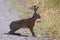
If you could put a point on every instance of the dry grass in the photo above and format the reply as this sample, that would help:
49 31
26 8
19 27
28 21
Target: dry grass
50 13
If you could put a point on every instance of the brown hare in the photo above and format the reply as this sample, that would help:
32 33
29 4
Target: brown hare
25 23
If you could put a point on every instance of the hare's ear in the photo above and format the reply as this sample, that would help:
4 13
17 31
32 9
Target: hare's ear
35 8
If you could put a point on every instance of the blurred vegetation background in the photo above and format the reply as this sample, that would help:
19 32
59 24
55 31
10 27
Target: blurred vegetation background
50 15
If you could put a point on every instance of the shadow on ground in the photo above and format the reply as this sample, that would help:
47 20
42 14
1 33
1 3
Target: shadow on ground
17 34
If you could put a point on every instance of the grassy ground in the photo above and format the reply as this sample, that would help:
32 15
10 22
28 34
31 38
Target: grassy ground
50 13
50 18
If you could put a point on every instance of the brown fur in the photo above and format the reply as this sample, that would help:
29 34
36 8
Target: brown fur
25 23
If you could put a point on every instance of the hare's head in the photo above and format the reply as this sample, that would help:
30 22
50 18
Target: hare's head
36 16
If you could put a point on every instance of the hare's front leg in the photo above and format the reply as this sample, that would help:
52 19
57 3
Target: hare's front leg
31 29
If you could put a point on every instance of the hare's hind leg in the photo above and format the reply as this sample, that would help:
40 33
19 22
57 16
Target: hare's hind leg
12 31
